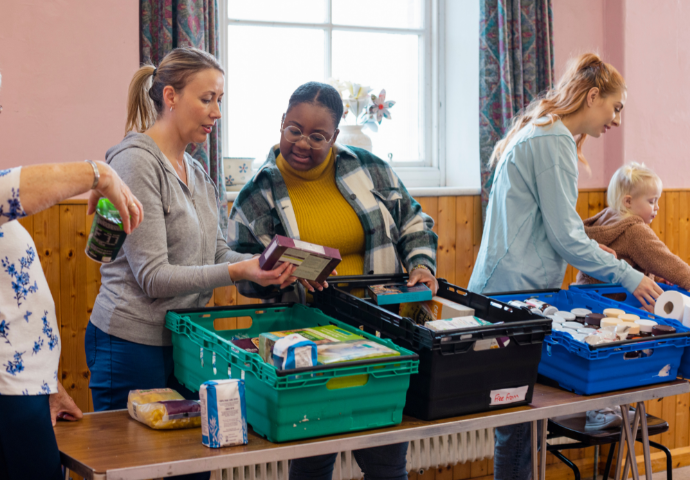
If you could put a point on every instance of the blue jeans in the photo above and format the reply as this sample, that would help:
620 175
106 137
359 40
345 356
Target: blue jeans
118 366
27 442
513 452
387 462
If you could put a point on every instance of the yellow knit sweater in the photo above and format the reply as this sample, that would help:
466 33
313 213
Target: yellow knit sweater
323 215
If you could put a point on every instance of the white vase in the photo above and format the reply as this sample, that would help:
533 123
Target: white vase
354 136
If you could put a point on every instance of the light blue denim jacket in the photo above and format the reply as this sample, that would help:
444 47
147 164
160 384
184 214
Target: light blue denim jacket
532 230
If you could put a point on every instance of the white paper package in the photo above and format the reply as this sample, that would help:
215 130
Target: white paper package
223 413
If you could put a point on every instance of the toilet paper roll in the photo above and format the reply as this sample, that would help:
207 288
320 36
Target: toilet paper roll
672 304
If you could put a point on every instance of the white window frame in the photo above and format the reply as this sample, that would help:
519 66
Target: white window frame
430 171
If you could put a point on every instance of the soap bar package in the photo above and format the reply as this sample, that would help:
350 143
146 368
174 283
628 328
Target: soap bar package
393 293
314 262
456 324
223 413
294 351
163 409
318 335
438 308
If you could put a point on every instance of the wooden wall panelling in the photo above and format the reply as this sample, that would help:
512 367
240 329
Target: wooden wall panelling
672 224
46 234
464 240
659 223
446 252
73 303
93 285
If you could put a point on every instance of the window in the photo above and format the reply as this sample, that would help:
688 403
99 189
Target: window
273 46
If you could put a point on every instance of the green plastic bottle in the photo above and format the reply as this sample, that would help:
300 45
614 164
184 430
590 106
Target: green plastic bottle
107 233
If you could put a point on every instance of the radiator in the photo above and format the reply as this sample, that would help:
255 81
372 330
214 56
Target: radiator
421 455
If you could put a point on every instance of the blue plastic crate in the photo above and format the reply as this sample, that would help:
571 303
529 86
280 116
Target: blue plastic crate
615 292
587 370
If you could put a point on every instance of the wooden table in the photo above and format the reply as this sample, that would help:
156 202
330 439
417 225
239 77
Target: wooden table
110 445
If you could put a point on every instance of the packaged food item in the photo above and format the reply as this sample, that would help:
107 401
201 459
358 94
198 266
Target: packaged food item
610 322
662 330
223 413
594 319
338 352
613 312
318 335
567 316
438 308
572 325
314 262
580 314
419 312
456 324
393 293
294 351
163 409
543 307
628 317
107 233
519 304
251 345
646 327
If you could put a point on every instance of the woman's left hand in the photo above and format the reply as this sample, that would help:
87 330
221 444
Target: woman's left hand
63 406
311 285
423 275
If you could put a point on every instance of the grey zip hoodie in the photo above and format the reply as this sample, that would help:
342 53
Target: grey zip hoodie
177 255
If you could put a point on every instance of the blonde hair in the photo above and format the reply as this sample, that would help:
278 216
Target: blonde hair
631 179
145 99
583 73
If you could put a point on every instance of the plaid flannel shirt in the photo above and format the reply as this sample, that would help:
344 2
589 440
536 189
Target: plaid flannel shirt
397 233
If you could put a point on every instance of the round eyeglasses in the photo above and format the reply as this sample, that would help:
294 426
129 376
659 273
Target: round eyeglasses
316 141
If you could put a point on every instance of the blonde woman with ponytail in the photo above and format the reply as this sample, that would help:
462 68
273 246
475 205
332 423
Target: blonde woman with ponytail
633 198
532 230
178 254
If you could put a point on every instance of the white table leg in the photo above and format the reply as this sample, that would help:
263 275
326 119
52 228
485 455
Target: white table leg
535 443
630 439
628 460
645 441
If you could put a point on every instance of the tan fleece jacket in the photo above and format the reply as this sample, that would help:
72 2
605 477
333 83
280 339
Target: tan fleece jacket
635 242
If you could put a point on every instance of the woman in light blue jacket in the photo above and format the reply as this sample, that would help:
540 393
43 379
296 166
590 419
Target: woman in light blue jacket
532 230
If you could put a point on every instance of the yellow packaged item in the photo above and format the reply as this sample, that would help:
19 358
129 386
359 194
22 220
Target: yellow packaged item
163 409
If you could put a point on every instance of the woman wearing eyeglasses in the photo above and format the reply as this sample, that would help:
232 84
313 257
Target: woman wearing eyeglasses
315 190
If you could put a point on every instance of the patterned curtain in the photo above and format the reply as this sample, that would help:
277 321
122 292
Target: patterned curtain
168 24
515 66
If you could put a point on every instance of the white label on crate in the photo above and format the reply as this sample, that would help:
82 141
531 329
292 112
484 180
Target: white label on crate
309 247
508 395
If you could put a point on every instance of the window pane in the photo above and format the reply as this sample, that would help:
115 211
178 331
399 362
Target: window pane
301 11
388 61
265 65
379 13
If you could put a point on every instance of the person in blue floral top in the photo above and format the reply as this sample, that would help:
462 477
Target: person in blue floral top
31 397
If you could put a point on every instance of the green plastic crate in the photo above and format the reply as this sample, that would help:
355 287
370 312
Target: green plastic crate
294 404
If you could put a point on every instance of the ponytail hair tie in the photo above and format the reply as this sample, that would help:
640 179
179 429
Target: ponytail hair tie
155 71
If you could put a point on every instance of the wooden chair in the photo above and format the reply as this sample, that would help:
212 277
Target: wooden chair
573 427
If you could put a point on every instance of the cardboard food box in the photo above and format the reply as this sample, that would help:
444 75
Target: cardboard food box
392 293
437 308
314 262
319 335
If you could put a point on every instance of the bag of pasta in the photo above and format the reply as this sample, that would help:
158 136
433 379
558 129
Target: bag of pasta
163 409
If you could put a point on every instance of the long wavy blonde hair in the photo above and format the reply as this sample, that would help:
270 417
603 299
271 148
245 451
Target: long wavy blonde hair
583 73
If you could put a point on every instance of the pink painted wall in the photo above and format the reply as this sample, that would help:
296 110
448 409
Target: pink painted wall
657 57
66 66
649 43
579 28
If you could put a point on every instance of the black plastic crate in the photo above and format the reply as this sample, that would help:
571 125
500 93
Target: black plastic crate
454 378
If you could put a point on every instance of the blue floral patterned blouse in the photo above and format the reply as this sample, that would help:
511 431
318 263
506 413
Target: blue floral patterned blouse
29 335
